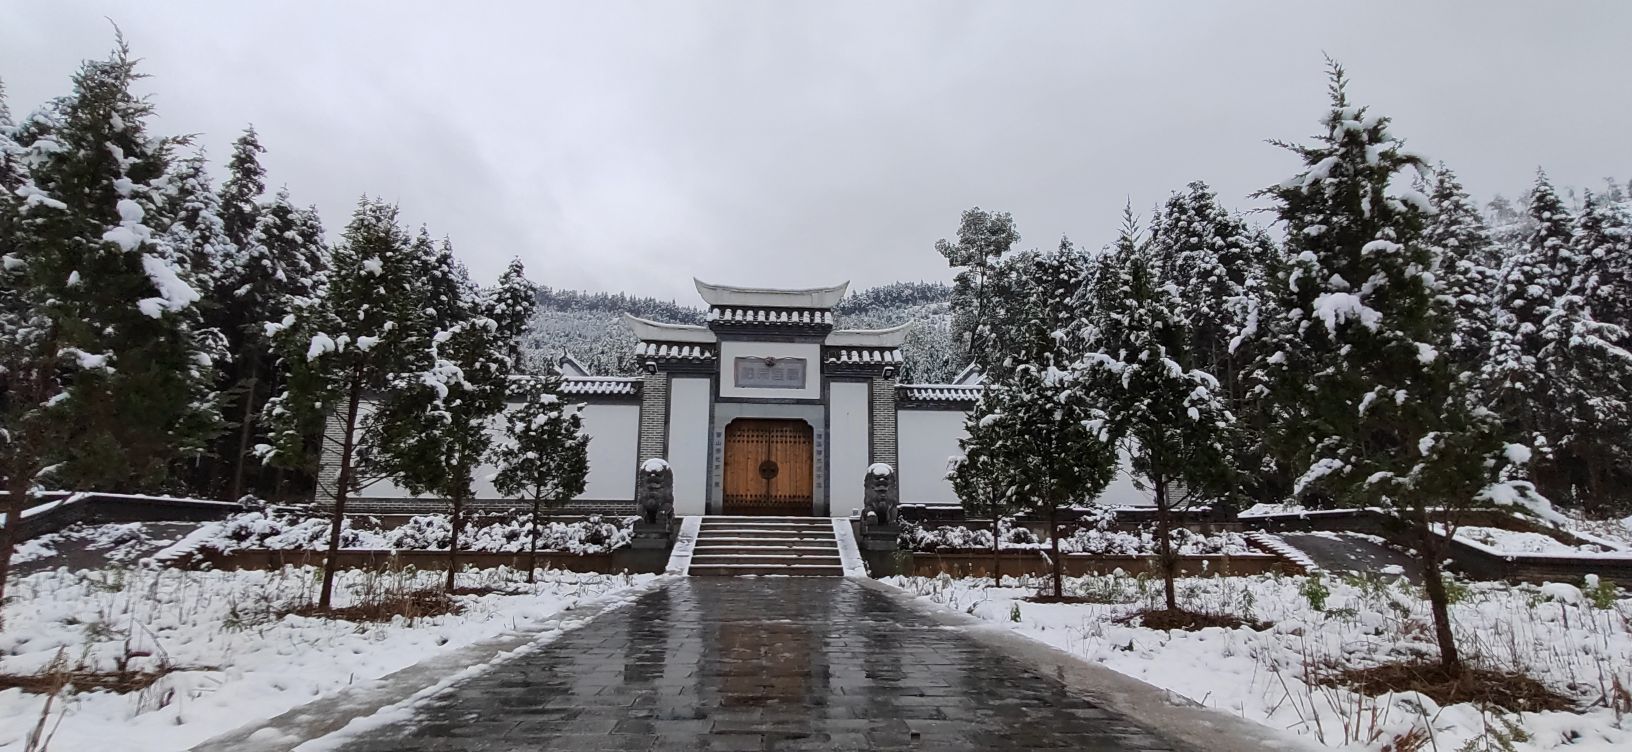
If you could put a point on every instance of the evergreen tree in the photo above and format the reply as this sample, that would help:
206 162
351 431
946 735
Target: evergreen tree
348 340
980 477
1222 268
983 239
544 456
1532 283
1585 369
191 214
1052 438
1359 365
137 393
431 430
279 263
1169 417
1469 269
240 195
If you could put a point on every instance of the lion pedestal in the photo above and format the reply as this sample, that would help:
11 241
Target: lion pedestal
881 509
654 501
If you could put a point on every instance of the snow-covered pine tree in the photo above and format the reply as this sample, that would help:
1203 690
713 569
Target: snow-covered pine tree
1056 449
1169 417
1222 268
279 263
1360 370
1470 268
1532 283
980 477
191 214
1508 227
135 389
241 193
983 239
431 430
544 455
341 344
1586 369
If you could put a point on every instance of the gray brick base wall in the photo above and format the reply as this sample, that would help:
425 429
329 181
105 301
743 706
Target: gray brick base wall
654 418
380 505
882 417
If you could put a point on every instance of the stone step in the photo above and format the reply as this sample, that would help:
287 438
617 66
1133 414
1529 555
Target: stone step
779 542
704 560
823 532
763 526
749 548
794 570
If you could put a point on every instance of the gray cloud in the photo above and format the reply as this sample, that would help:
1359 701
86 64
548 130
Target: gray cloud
629 146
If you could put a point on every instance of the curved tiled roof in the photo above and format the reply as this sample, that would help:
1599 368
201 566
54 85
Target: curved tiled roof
678 351
599 385
761 297
791 316
888 355
939 392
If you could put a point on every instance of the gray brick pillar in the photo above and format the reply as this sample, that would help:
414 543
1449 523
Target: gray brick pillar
882 416
654 418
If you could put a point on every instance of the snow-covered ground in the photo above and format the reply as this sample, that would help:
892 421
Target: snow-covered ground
1554 633
1086 540
1514 542
430 532
238 660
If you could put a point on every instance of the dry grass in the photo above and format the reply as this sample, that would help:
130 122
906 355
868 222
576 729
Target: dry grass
408 604
1510 691
1189 621
52 682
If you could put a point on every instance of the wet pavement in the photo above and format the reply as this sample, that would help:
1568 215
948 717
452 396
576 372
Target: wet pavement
761 664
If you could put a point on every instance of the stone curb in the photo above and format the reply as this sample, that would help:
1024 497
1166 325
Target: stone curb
1165 714
326 715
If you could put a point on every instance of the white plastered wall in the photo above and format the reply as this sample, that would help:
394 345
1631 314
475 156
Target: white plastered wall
613 430
848 442
811 353
926 440
688 443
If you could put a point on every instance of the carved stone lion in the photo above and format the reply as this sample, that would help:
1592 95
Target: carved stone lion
880 497
655 496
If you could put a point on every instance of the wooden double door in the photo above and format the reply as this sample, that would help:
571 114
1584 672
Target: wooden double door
769 467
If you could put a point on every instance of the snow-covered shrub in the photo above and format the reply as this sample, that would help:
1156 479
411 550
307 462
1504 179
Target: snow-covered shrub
1098 540
426 532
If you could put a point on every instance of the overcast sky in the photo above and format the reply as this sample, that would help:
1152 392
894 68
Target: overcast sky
630 147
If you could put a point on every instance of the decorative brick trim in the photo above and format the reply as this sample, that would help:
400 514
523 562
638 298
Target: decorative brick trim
881 417
654 418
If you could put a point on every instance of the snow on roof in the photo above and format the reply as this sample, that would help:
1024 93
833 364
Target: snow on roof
891 337
570 366
863 355
761 297
969 376
656 331
581 385
940 392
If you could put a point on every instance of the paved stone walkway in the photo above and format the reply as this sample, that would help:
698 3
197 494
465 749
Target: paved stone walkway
762 664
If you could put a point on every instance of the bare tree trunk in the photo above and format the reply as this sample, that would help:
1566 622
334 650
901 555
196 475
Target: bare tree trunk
532 545
1433 580
347 446
18 489
1054 547
997 553
453 543
1164 528
246 429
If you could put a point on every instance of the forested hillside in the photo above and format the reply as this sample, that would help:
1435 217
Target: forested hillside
585 325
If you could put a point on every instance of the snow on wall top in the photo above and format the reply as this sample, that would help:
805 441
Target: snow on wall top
892 337
789 316
675 352
760 297
656 331
863 355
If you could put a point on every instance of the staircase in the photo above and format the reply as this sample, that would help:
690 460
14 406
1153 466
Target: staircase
799 546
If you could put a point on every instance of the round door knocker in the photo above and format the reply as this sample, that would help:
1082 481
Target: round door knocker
768 469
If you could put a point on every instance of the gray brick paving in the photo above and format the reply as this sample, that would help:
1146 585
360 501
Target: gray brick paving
761 664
